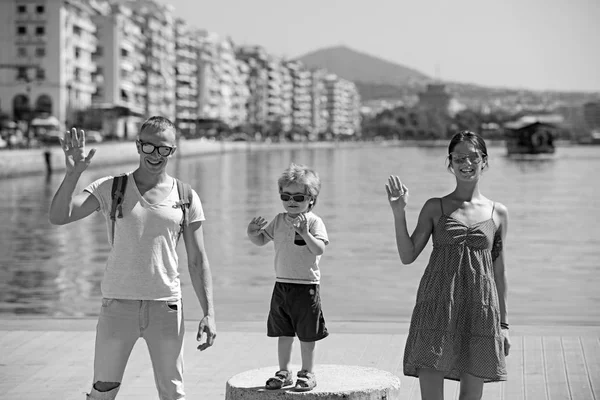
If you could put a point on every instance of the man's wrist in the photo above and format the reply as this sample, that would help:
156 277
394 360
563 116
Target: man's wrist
73 175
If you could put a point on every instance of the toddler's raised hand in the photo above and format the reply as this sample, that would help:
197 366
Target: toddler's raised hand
300 224
256 225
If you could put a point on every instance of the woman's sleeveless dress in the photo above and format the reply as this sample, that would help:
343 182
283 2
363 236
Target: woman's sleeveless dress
455 325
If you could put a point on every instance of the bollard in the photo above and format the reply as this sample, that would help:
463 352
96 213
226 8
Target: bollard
347 382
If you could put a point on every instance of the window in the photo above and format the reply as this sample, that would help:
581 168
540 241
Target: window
22 52
21 9
40 52
40 30
21 30
22 73
77 52
40 74
40 9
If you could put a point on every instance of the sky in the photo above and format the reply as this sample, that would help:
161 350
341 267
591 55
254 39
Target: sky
530 44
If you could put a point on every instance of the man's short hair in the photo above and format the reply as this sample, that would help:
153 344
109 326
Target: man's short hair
158 124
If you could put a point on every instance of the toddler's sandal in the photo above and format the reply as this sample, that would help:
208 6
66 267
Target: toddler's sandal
306 381
281 379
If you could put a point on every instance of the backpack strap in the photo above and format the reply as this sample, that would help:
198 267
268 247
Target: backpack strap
185 201
117 195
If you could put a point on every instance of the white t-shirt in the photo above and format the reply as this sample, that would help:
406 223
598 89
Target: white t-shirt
143 262
295 263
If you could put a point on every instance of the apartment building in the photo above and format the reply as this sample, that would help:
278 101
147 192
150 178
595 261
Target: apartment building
301 96
157 23
46 58
318 104
287 96
255 57
186 73
343 106
274 90
118 103
223 93
241 94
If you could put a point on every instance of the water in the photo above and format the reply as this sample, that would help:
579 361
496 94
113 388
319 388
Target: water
552 249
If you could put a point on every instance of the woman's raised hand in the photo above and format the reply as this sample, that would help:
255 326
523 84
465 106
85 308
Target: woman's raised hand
397 193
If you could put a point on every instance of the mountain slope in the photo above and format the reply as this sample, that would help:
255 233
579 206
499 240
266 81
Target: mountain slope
361 67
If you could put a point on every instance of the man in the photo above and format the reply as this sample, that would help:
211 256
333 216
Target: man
141 288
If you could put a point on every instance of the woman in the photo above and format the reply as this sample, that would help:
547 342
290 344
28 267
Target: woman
459 327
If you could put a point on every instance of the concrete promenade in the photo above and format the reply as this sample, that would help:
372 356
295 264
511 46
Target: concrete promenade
52 359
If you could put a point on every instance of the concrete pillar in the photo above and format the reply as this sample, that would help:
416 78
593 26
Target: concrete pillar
347 382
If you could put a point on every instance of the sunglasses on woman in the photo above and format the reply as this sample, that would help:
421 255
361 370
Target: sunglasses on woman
149 148
460 158
298 198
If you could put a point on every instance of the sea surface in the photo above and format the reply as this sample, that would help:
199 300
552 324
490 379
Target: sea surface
552 248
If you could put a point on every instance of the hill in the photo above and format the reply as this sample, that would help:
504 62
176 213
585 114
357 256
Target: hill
378 79
361 67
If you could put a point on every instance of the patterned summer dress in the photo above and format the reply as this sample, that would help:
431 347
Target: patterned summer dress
455 325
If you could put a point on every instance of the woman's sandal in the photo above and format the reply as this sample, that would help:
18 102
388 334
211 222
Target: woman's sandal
281 379
306 381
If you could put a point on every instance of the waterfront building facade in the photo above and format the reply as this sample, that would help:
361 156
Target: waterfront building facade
46 58
109 64
343 106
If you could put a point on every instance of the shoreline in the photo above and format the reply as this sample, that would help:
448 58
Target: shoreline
27 162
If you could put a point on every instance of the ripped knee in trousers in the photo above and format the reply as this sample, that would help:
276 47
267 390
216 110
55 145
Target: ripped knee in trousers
104 391
106 386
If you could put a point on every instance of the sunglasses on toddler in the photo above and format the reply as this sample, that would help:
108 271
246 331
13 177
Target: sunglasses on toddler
298 198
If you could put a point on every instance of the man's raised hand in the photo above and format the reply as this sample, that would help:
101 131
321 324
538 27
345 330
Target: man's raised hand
73 145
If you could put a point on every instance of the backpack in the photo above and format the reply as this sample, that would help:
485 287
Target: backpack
118 195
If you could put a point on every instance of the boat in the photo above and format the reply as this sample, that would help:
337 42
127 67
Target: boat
530 139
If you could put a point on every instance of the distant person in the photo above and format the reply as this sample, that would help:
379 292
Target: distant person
299 237
141 287
459 327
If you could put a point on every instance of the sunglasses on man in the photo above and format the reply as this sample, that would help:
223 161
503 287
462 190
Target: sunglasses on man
149 148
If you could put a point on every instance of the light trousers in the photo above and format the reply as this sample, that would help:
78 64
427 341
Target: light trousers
160 323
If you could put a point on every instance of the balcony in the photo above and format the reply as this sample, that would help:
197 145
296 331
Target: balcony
87 43
187 115
185 78
83 22
127 45
86 87
127 85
